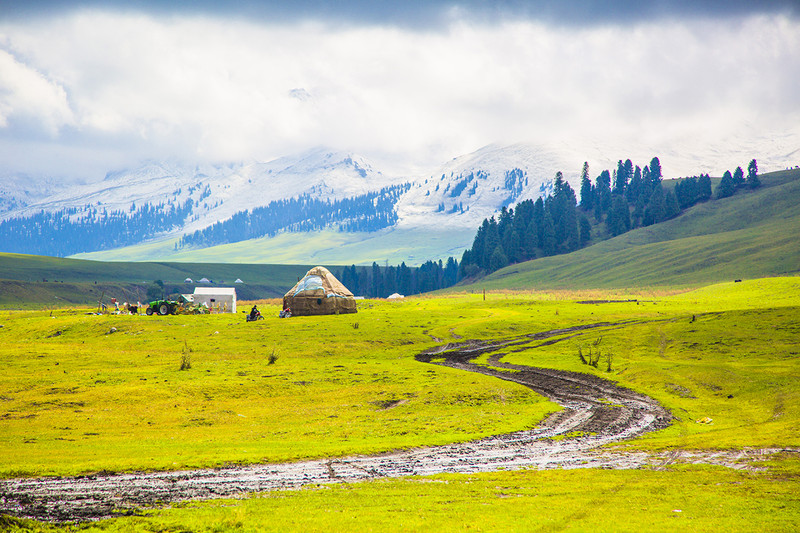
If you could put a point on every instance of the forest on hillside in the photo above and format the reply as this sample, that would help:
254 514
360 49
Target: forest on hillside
93 227
369 212
615 203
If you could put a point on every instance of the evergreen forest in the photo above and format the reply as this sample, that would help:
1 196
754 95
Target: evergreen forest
627 198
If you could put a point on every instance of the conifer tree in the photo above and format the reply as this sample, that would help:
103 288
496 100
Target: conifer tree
547 234
586 189
498 259
654 212
492 242
671 207
632 193
726 186
752 175
622 176
655 171
704 188
530 242
738 178
585 230
618 221
377 281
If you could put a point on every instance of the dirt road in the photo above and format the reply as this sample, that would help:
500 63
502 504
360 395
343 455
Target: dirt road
596 412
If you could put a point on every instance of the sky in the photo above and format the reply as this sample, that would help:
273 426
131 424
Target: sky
90 87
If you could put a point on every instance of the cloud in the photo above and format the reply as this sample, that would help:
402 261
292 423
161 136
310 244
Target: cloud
29 98
125 86
412 14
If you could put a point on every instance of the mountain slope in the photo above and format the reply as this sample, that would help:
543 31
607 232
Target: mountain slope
749 235
319 206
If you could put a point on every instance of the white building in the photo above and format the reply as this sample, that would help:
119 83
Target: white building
221 299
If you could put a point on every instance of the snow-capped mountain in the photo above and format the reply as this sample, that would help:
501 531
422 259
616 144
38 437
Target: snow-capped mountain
19 191
472 187
194 206
217 191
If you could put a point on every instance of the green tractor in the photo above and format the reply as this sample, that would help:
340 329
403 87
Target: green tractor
162 307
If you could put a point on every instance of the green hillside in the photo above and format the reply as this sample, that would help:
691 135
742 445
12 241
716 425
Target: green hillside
395 245
27 280
752 234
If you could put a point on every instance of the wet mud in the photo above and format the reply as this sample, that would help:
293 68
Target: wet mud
596 412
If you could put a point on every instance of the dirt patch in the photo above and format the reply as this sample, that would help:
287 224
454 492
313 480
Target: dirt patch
596 412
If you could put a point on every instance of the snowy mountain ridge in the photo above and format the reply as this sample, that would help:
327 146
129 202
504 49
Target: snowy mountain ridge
331 187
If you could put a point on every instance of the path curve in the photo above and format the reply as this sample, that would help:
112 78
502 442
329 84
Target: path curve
596 412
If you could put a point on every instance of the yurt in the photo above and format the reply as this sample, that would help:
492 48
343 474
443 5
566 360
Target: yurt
319 293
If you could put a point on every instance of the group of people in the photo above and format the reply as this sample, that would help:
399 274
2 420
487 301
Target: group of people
125 308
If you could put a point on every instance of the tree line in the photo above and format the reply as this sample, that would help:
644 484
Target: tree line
630 197
89 228
377 282
368 212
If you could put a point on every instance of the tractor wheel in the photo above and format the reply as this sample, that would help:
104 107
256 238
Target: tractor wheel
149 311
163 309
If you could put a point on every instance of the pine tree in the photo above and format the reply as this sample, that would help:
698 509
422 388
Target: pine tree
530 242
585 230
492 241
632 193
586 189
704 188
498 260
622 176
654 212
547 234
655 171
726 186
671 207
451 272
752 175
619 220
738 178
377 281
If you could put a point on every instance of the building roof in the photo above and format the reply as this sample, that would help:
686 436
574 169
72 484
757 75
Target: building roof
215 290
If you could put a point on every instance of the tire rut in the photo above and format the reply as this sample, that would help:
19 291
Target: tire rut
595 412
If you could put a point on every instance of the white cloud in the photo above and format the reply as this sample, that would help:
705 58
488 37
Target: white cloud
220 89
28 96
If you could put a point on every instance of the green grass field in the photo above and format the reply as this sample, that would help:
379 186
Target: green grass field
76 398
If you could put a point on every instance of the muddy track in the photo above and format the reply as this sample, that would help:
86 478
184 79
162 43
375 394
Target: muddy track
596 412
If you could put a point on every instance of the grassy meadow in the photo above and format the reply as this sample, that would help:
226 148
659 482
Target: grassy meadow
84 393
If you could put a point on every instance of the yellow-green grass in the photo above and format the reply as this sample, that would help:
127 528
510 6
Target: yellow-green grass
679 498
75 398
89 400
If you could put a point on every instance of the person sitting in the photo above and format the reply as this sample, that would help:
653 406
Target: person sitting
254 313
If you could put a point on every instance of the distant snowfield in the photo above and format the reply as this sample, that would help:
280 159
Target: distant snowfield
436 217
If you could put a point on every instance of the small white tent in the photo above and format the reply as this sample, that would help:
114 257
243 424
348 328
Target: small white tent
222 299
